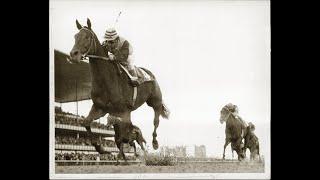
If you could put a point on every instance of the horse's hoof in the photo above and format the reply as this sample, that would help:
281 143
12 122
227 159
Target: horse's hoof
155 144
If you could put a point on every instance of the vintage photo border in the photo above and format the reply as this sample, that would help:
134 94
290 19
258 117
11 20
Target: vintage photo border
53 175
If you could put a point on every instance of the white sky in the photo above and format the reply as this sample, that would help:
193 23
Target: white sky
204 55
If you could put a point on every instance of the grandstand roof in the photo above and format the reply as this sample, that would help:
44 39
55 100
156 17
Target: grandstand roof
72 81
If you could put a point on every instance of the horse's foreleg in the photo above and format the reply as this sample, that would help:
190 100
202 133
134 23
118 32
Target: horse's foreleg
232 152
154 134
224 148
119 154
251 154
122 154
94 114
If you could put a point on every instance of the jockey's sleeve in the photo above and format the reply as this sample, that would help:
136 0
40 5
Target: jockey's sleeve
122 53
106 49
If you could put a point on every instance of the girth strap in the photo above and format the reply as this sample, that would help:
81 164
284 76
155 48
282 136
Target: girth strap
135 90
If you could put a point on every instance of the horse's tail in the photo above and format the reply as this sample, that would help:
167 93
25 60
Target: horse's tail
165 112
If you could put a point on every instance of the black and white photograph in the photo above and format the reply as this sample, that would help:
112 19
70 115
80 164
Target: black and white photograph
160 89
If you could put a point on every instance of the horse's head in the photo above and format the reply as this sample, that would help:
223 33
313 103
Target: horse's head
225 113
85 41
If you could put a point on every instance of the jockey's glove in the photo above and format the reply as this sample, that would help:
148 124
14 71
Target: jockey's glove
112 57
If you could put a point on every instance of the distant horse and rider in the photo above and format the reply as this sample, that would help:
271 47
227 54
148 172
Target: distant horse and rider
116 89
238 130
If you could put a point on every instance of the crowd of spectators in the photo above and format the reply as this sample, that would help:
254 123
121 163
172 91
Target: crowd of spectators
83 156
62 118
81 141
58 110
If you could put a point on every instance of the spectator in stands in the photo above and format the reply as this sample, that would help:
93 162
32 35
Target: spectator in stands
77 122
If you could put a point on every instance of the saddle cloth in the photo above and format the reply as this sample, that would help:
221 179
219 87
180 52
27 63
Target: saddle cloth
143 76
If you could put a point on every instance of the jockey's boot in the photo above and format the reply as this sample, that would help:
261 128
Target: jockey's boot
134 79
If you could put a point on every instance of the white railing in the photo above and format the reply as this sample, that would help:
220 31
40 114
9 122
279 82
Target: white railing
90 148
80 128
92 162
68 115
82 148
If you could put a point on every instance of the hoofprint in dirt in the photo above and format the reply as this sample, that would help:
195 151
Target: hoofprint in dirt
212 167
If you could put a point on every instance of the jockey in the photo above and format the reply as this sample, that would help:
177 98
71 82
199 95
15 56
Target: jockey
119 49
235 112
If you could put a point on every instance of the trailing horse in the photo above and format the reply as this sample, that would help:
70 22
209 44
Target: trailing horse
251 142
111 89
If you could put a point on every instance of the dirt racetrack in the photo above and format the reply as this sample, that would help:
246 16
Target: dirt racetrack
199 167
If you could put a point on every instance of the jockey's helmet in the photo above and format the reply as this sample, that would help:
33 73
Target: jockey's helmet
233 108
111 34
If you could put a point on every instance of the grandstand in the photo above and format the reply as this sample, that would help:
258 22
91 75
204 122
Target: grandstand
71 141
73 145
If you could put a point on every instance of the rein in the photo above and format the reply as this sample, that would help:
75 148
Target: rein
93 41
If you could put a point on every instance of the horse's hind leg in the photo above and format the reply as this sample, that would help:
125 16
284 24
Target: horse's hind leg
143 149
134 147
157 112
155 101
154 134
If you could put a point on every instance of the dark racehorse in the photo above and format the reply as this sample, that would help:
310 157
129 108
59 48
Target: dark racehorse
234 132
111 89
251 142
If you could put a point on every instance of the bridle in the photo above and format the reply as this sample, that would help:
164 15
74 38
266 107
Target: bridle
92 41
228 114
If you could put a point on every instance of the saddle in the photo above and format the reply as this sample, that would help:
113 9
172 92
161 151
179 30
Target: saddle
142 75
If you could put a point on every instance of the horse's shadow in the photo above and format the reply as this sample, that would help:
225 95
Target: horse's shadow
125 133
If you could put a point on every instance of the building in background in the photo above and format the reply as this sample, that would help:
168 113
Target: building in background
200 151
190 150
184 151
176 151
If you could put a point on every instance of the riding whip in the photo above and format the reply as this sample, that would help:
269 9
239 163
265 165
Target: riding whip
117 19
